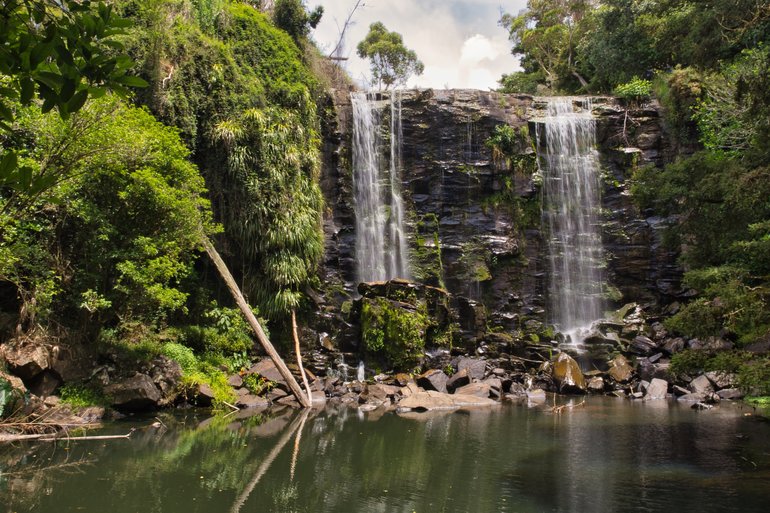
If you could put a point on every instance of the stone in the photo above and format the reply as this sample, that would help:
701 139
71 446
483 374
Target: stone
135 393
730 394
568 375
251 401
433 379
691 398
658 389
267 369
457 380
476 368
517 390
204 396
402 379
495 387
722 379
235 381
477 389
700 385
642 345
277 393
431 400
678 390
596 385
167 376
27 361
674 345
536 395
52 401
318 399
620 370
45 383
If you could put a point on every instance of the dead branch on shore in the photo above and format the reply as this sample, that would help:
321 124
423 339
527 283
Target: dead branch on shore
56 437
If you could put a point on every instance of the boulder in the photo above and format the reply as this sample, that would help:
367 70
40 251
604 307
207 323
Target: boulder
457 380
475 389
692 398
167 376
45 383
235 381
432 400
620 370
658 389
700 385
433 379
27 361
642 345
267 369
568 375
722 379
674 345
596 385
476 368
495 387
251 401
730 393
135 393
204 396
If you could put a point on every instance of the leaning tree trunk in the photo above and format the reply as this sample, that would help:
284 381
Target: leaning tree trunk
251 318
299 356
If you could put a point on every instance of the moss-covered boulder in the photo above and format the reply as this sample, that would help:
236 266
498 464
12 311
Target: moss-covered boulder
399 319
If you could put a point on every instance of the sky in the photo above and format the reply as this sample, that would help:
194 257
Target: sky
459 41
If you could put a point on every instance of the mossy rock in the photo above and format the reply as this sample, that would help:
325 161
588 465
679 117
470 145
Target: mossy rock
394 331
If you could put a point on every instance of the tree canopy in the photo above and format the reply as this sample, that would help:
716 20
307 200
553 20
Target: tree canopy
391 62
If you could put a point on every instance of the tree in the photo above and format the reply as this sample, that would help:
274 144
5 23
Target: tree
291 16
392 63
546 35
62 52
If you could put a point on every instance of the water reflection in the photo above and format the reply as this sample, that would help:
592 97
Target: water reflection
606 455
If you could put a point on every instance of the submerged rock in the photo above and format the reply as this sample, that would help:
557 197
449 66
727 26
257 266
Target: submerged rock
432 400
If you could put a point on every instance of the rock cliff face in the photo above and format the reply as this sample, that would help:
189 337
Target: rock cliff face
474 208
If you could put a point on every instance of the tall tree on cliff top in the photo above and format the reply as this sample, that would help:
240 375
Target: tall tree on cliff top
546 35
392 63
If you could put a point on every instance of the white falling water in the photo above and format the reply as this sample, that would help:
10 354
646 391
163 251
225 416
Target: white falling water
381 245
571 204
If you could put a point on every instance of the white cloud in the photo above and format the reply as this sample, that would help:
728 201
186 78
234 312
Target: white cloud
459 41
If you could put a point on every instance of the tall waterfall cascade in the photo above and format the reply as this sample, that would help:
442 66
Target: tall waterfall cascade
571 200
381 242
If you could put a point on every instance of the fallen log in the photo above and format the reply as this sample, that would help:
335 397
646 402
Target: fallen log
252 320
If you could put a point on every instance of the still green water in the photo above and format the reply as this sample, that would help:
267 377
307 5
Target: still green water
606 455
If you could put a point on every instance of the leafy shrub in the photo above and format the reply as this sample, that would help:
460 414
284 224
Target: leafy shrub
183 355
5 395
636 90
81 395
257 384
396 333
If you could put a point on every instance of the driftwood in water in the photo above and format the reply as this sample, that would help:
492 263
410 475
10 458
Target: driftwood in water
48 437
251 318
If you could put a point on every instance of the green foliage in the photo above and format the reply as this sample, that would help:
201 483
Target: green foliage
183 355
391 62
291 16
238 362
679 91
752 371
393 332
58 54
275 216
521 82
635 90
257 384
81 395
6 390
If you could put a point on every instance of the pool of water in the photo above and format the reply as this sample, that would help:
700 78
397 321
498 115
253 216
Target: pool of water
604 455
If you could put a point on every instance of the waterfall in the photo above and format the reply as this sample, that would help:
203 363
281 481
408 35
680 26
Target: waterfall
571 196
381 245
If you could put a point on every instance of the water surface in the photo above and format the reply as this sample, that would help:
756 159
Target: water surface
606 455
